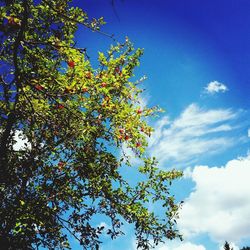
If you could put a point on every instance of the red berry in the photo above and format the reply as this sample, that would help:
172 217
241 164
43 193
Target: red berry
104 84
84 89
138 144
39 87
121 130
71 64
142 129
139 111
11 21
60 106
126 137
61 164
117 70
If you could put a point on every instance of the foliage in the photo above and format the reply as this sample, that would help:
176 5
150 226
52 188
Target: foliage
74 120
245 248
227 246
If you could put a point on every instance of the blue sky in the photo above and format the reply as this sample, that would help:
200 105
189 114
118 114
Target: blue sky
197 60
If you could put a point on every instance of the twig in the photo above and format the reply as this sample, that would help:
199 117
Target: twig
82 23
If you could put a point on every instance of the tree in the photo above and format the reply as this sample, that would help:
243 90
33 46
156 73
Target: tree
245 248
73 120
227 246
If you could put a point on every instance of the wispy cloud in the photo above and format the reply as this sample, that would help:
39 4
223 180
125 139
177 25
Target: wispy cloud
220 202
195 132
177 245
182 246
215 87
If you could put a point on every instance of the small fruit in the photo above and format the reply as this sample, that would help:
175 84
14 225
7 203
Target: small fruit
142 129
117 70
88 75
39 87
104 84
61 164
60 106
138 144
12 21
126 137
139 111
71 64
120 137
121 131
84 89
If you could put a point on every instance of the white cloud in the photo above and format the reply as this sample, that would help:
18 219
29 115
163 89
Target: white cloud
21 141
127 153
220 202
189 246
215 87
195 132
177 245
182 246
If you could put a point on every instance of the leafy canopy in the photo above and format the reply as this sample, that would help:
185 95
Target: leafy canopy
227 246
74 120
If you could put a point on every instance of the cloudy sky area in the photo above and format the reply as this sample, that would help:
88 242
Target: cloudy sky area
197 58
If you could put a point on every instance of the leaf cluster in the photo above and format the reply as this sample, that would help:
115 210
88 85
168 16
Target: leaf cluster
74 119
